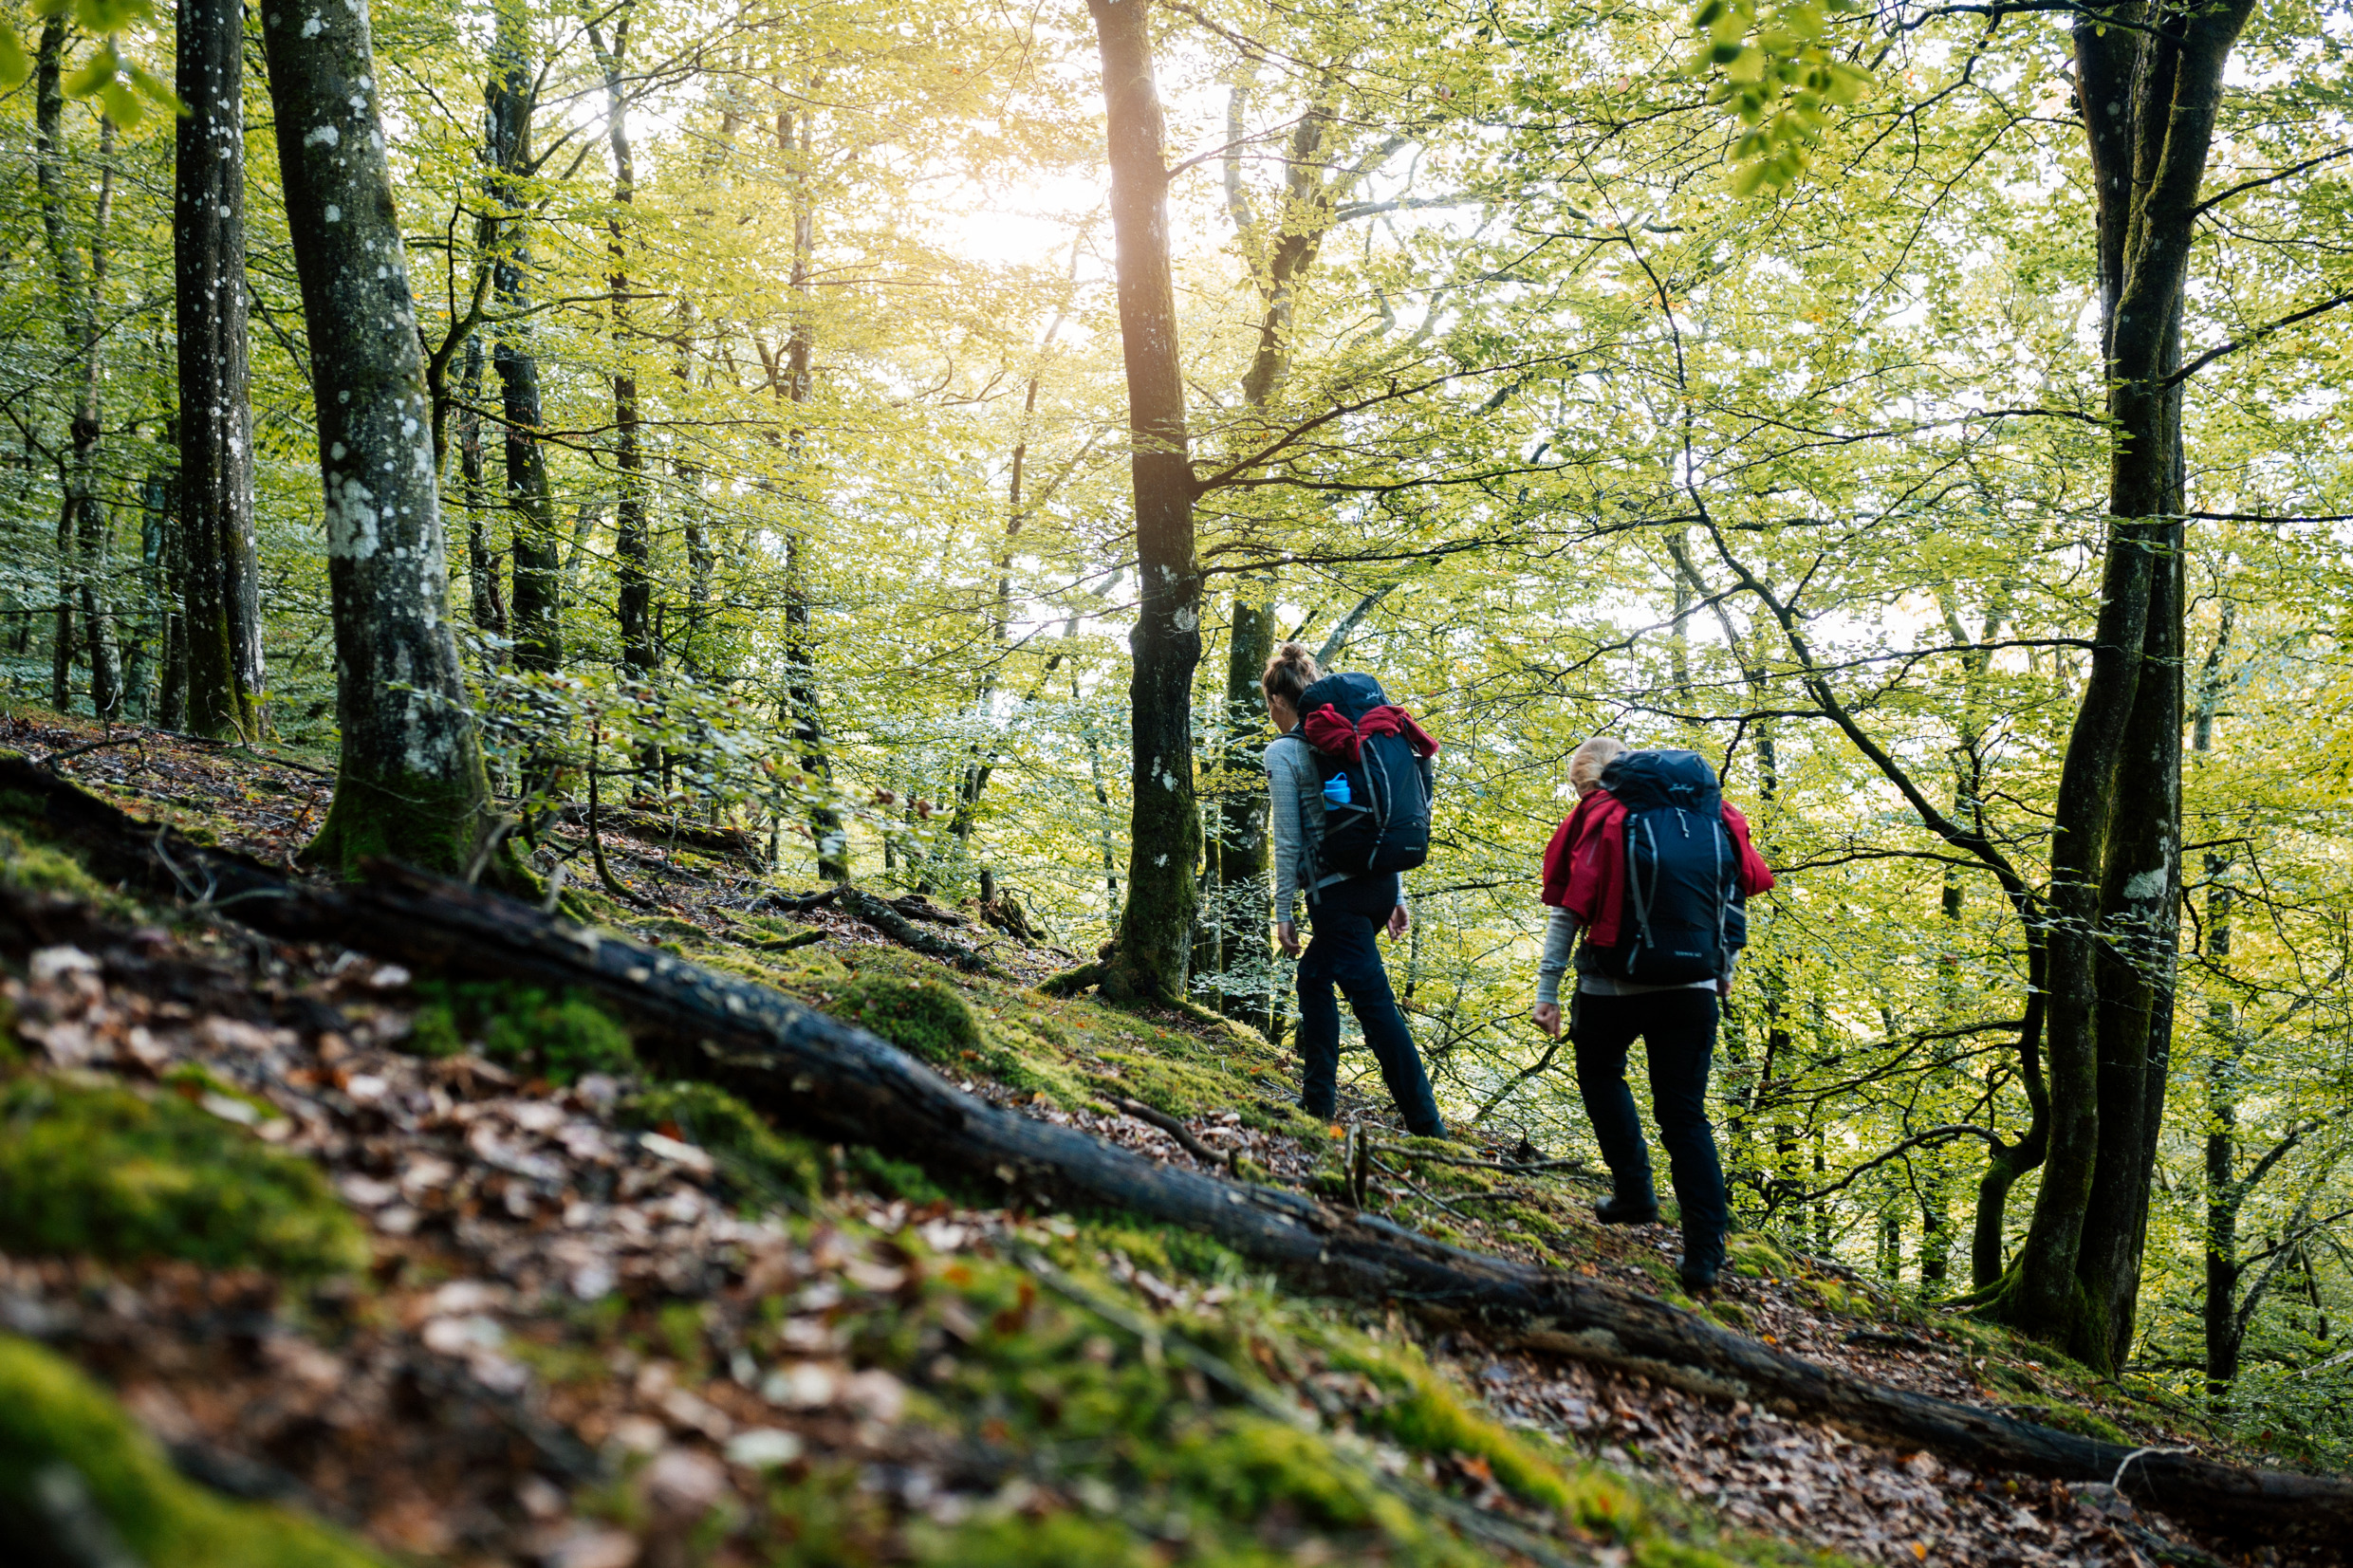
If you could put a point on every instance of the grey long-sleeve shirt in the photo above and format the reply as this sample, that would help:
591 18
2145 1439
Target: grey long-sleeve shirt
1561 944
1297 797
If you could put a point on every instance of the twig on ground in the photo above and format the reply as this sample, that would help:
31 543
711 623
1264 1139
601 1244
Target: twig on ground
1175 1129
52 761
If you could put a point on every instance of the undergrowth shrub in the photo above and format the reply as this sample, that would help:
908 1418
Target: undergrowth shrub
101 1171
557 1036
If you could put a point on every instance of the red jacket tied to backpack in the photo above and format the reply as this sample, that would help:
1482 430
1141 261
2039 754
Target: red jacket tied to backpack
1585 866
1330 733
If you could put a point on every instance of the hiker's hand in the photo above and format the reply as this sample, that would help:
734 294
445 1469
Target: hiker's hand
1548 1016
1399 920
1286 937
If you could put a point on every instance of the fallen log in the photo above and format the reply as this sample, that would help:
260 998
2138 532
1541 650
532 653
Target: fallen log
814 1072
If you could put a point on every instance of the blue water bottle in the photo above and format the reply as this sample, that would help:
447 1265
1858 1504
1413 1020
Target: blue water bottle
1336 790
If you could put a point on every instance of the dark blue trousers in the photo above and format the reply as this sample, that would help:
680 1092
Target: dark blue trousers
1679 1029
1342 949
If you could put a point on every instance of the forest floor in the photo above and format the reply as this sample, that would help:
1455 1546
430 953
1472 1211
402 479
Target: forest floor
539 1310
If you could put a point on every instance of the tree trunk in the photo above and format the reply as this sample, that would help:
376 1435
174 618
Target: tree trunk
222 582
2148 106
801 693
81 518
409 782
1155 942
538 567
633 541
168 708
482 562
2225 1078
1242 895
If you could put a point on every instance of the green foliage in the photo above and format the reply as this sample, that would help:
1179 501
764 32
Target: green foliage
56 1427
557 1037
98 1171
1779 77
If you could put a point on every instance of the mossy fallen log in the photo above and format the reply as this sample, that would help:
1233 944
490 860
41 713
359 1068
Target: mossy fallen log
827 1077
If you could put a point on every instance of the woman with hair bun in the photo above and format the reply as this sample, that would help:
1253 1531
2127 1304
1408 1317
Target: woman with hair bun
1347 913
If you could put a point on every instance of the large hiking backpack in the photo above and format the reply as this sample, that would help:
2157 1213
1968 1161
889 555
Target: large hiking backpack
1385 824
1683 917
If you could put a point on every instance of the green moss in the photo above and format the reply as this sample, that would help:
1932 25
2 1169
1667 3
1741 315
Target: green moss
1422 1412
757 1161
1058 1541
57 1424
2073 1418
1756 1256
32 867
892 1178
420 821
924 1017
1247 1465
558 1036
101 1171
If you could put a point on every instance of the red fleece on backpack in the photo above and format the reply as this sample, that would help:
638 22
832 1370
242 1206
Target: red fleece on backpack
1585 866
1335 736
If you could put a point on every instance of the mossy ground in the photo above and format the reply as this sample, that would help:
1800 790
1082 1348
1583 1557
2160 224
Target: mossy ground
98 1169
58 1429
1111 1449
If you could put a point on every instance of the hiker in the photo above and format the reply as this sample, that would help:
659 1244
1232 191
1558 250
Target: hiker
1652 869
1350 785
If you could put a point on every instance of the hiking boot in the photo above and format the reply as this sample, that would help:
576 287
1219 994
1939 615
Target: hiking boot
1703 1260
1699 1275
1627 1209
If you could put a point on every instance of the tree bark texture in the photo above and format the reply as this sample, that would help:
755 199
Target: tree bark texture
1155 942
536 603
2147 97
815 1074
409 783
222 584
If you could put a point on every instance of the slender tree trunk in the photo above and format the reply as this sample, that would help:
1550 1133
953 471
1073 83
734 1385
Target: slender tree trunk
538 568
409 783
2148 98
2225 1081
222 580
81 518
1243 896
795 141
633 540
1155 942
168 707
489 604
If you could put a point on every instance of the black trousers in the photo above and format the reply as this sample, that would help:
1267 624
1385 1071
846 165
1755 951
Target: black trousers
1679 1029
1343 951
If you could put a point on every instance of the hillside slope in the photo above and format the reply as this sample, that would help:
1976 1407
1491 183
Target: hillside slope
545 1309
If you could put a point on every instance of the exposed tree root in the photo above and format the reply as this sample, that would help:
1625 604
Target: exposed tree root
842 1082
1076 982
883 918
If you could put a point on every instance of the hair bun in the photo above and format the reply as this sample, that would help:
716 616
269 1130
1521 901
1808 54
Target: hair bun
1290 672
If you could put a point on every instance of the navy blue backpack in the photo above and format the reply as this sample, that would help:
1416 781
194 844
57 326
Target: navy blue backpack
1683 917
1385 825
